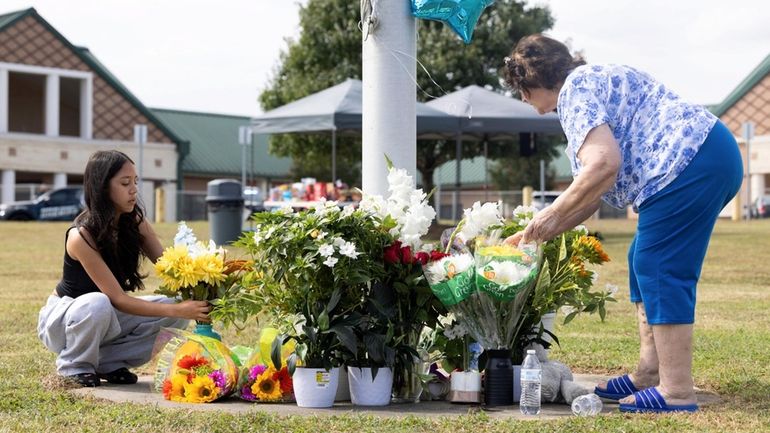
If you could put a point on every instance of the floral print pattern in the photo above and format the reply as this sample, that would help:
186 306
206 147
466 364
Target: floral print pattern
658 132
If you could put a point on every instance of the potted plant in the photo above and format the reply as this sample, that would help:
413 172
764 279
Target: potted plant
322 332
313 268
370 367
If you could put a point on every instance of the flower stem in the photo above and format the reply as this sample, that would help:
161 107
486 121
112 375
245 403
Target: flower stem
453 235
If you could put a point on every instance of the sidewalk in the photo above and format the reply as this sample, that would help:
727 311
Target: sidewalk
140 393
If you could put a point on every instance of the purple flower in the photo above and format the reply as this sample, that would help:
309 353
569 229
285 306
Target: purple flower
219 378
256 371
246 393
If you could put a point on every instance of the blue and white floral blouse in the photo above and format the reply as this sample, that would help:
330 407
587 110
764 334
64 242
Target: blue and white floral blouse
657 131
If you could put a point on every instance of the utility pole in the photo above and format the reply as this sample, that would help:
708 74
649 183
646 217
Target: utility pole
389 91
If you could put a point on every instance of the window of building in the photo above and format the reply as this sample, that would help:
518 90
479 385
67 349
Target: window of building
26 102
69 106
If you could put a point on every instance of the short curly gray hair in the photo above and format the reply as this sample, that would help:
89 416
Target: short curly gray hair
538 61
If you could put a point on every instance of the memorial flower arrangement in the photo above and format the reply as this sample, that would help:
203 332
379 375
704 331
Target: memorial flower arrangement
406 215
190 368
568 276
192 269
312 269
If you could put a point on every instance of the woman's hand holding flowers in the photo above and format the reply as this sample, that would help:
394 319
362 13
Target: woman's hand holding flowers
193 310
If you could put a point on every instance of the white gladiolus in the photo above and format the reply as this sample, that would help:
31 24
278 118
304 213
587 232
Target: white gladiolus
478 218
330 261
406 205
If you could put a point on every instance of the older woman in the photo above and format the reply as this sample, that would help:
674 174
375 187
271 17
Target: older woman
632 141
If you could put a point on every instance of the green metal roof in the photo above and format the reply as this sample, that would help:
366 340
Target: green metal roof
214 148
10 18
89 59
747 84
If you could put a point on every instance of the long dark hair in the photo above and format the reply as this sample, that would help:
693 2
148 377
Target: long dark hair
538 61
119 246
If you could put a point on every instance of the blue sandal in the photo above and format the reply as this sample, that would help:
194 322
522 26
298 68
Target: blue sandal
650 401
617 388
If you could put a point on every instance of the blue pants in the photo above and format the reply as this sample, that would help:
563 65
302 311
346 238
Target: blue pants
675 225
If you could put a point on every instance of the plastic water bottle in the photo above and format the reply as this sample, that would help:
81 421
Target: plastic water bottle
530 384
587 405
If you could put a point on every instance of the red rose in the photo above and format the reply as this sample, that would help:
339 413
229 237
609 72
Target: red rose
422 258
406 255
437 255
391 254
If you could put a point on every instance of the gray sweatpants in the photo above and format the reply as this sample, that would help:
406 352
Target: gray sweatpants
92 336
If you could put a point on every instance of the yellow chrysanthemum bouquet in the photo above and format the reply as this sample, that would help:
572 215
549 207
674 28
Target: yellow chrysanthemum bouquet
192 269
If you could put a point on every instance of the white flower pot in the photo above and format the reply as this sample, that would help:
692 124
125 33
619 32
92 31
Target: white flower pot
547 322
465 387
315 387
343 389
367 392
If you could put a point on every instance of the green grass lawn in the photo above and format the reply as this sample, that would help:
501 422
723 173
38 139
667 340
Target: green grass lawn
732 349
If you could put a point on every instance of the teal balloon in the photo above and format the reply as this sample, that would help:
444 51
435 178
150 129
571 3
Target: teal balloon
460 15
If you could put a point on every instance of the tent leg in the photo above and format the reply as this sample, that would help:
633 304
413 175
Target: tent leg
334 156
456 195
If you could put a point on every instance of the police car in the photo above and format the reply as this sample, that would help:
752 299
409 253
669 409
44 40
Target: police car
62 204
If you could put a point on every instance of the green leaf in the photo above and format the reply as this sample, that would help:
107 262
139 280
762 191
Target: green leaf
345 336
301 351
323 321
291 363
570 316
563 249
334 300
275 353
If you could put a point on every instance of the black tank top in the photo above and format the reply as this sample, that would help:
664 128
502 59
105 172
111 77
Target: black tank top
75 280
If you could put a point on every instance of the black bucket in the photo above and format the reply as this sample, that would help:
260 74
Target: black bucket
498 378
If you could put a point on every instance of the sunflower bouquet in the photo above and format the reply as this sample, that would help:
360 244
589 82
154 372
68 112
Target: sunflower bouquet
193 369
264 379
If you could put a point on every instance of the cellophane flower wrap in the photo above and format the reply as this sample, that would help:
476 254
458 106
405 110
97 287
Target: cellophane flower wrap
260 379
505 276
191 368
487 287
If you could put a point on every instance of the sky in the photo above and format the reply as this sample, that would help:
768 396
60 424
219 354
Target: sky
217 56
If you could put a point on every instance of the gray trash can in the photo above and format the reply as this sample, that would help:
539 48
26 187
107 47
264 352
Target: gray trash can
224 201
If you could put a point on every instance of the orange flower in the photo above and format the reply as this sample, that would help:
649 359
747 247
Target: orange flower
283 377
592 249
189 362
167 389
237 265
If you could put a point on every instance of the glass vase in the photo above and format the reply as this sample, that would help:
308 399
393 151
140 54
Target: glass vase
206 330
407 388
